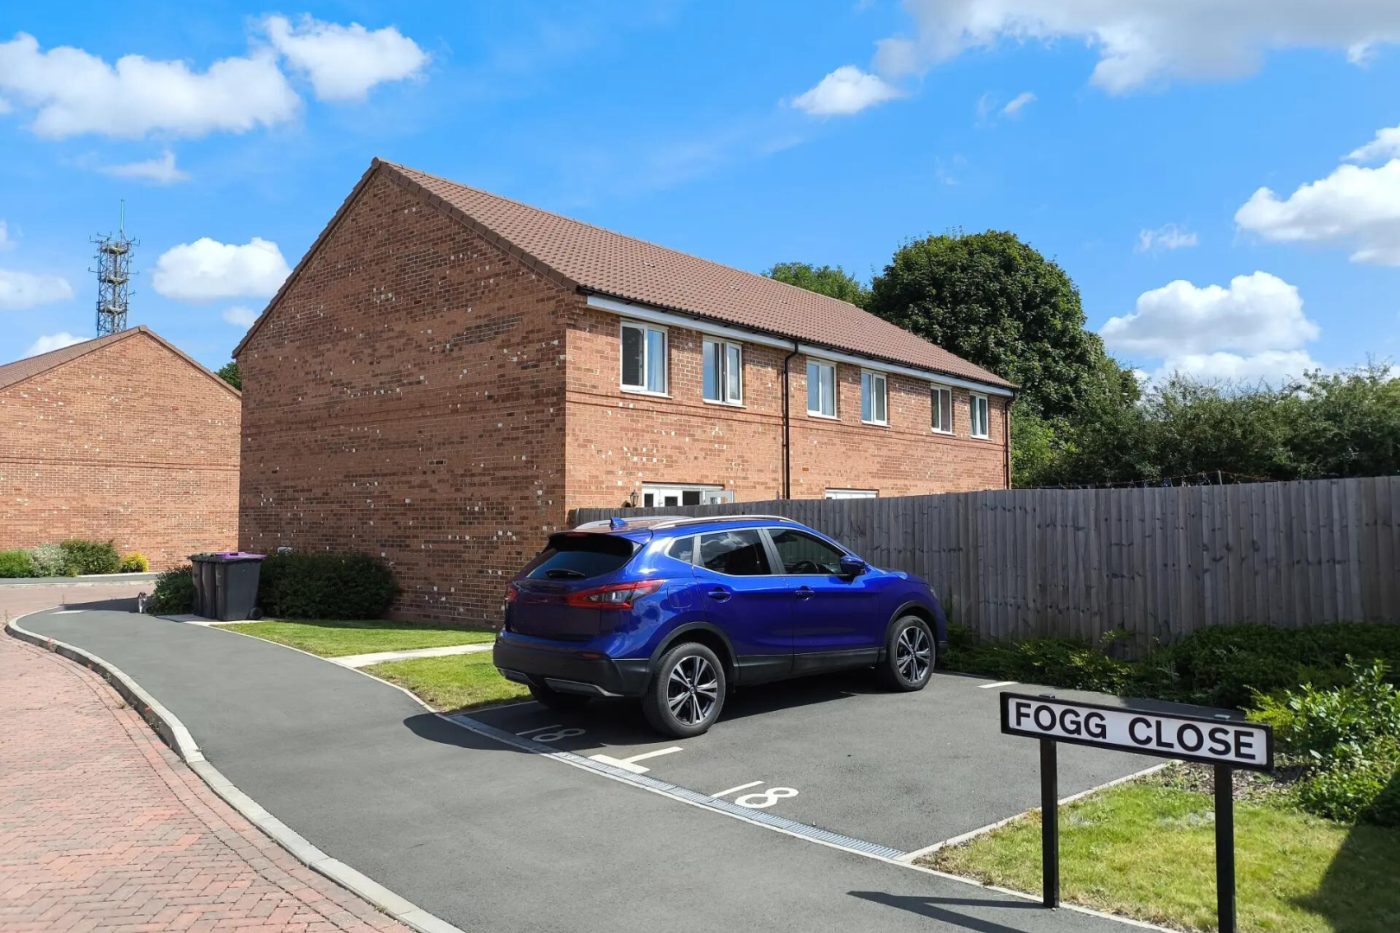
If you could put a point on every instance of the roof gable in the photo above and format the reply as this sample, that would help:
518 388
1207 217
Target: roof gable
14 373
592 259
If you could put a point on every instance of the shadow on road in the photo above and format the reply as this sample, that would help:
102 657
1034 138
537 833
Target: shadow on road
937 908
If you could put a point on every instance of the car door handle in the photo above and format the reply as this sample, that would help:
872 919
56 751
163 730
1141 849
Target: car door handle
718 594
805 592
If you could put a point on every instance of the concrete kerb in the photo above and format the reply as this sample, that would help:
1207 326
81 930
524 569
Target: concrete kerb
175 735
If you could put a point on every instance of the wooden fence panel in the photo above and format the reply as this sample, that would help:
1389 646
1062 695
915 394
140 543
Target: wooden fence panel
1158 563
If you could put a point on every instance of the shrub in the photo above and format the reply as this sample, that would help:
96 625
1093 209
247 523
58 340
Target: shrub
16 564
325 586
134 563
1365 788
50 561
91 557
173 593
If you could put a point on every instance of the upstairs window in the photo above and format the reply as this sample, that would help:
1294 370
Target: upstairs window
724 372
821 389
872 398
643 358
942 410
981 423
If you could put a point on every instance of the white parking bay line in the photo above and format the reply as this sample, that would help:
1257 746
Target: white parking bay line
68 612
999 683
735 790
630 764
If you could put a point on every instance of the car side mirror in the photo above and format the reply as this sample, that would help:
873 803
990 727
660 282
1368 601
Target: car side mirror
852 566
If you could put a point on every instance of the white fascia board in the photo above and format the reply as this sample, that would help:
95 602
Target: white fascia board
643 312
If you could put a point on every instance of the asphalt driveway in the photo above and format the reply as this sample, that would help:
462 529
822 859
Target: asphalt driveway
490 837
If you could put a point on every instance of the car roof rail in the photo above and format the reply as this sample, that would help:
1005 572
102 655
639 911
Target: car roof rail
697 519
641 521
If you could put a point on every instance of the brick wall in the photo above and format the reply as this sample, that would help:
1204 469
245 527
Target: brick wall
403 398
619 440
130 442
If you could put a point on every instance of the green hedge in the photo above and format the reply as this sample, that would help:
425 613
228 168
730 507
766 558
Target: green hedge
16 564
84 557
50 561
173 593
325 586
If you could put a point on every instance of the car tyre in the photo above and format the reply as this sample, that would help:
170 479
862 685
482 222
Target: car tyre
563 702
687 693
910 654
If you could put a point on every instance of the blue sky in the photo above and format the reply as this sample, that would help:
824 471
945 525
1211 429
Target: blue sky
1134 154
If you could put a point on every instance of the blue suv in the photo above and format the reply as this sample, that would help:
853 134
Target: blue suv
679 611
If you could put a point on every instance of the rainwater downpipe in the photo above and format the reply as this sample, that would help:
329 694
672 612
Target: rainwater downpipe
787 422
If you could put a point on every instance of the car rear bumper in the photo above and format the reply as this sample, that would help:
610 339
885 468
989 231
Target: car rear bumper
567 669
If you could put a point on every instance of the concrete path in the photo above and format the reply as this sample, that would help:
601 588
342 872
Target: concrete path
379 657
91 579
489 837
104 829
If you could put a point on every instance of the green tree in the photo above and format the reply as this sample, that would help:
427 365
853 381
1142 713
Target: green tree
999 303
832 281
229 373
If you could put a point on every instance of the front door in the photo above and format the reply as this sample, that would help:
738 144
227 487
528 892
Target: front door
747 600
834 621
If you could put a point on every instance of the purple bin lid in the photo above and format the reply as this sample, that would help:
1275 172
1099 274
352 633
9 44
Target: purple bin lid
228 555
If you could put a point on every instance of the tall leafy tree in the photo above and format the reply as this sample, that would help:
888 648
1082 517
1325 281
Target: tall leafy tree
229 373
996 301
832 281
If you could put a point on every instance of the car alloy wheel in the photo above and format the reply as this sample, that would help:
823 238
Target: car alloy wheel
692 690
913 654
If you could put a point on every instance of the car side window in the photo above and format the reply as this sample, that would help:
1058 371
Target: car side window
739 553
804 553
682 549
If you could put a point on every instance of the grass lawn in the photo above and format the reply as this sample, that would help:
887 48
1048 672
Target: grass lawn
1146 851
463 681
330 638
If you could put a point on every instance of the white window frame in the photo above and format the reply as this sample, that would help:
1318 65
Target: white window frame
724 372
835 390
709 494
852 494
935 397
976 401
872 375
647 362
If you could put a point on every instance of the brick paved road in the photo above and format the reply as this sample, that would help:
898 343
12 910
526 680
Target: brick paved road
102 828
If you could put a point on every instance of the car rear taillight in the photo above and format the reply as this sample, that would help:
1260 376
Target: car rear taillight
512 593
617 596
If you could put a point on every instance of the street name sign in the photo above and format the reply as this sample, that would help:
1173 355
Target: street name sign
1221 741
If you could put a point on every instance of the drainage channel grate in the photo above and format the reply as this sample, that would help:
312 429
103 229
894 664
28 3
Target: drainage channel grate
681 793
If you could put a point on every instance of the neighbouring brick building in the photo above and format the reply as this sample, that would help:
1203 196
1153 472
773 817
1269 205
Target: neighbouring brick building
122 438
447 373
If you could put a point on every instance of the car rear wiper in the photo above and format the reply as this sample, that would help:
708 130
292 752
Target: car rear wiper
564 574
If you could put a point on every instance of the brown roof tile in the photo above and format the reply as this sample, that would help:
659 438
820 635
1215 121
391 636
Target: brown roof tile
620 266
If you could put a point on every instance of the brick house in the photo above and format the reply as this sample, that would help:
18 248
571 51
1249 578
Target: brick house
123 438
447 373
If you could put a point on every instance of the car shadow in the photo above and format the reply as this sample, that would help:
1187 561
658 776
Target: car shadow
940 909
124 604
1349 897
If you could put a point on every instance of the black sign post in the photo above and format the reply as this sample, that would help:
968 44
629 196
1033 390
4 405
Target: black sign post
1220 741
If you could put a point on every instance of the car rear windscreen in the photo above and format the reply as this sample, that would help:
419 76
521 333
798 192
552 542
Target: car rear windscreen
581 556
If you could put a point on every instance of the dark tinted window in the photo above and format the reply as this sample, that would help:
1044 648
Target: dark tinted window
683 549
804 553
739 553
580 556
631 356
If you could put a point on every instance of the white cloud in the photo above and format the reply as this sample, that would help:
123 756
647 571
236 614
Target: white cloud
845 91
1168 236
4 105
241 316
74 92
1144 42
1016 103
1257 313
50 342
344 62
20 291
1274 367
158 171
5 240
1386 145
207 270
1354 204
